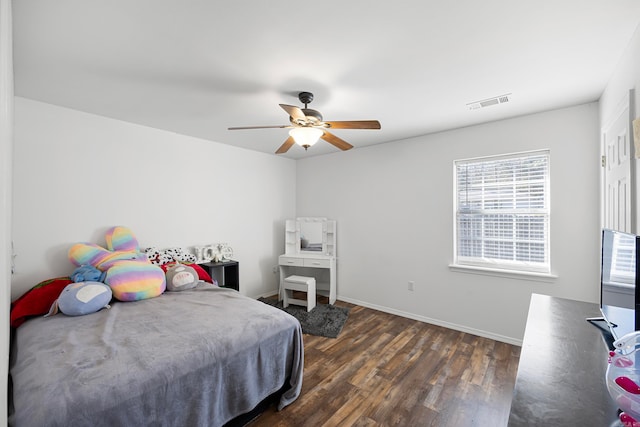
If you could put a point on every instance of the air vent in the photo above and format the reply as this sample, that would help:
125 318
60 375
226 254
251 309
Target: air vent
489 102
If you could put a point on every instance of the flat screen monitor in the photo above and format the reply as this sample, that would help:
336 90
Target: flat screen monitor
619 301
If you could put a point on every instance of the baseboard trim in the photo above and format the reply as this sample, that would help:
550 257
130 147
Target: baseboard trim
461 328
267 294
454 326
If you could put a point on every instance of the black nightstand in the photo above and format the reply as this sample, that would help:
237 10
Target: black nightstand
227 273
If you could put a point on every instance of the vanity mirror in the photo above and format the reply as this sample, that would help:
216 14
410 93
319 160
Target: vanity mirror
311 236
314 235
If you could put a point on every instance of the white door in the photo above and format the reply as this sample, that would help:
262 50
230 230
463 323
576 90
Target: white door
618 176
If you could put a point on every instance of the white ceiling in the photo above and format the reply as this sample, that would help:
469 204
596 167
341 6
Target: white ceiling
197 67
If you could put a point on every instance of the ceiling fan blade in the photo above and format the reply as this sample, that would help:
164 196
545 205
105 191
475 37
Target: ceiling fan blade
332 139
293 111
261 127
355 124
285 147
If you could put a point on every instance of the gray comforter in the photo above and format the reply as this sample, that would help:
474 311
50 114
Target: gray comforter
190 358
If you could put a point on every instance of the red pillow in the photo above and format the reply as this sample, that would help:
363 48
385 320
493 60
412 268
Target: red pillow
202 273
38 300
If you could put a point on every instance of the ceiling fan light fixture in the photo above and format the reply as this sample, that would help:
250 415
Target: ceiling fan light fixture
307 126
306 136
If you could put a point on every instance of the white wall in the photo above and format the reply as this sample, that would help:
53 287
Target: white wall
626 77
77 174
394 209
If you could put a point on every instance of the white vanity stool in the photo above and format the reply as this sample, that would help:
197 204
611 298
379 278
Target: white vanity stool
303 284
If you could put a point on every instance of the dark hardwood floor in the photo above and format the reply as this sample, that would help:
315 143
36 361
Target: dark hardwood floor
386 370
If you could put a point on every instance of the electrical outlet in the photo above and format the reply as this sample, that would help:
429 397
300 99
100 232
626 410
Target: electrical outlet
411 285
275 269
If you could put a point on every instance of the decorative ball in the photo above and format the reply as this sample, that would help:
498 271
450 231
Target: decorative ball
623 375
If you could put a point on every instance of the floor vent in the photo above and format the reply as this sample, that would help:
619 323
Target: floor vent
489 102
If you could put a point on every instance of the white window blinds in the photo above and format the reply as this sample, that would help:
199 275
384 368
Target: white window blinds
502 212
623 265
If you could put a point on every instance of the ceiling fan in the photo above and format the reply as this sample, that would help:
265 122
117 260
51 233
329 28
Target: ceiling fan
307 126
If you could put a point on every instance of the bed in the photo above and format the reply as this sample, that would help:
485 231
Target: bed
200 357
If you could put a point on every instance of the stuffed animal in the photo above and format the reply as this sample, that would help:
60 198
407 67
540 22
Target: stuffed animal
181 277
129 273
181 255
87 273
166 256
78 299
157 257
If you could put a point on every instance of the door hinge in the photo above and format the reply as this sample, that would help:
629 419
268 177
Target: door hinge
604 161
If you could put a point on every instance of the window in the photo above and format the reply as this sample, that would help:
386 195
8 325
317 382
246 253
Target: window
623 264
502 212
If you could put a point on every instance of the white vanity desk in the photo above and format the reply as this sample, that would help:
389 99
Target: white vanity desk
322 267
302 235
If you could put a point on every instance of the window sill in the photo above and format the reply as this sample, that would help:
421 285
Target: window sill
521 275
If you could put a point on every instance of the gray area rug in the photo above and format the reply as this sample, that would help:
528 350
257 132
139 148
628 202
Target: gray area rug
324 320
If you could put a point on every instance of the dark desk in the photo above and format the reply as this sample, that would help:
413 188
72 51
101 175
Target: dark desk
561 373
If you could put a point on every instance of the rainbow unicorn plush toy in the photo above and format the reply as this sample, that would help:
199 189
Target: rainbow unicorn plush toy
128 272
